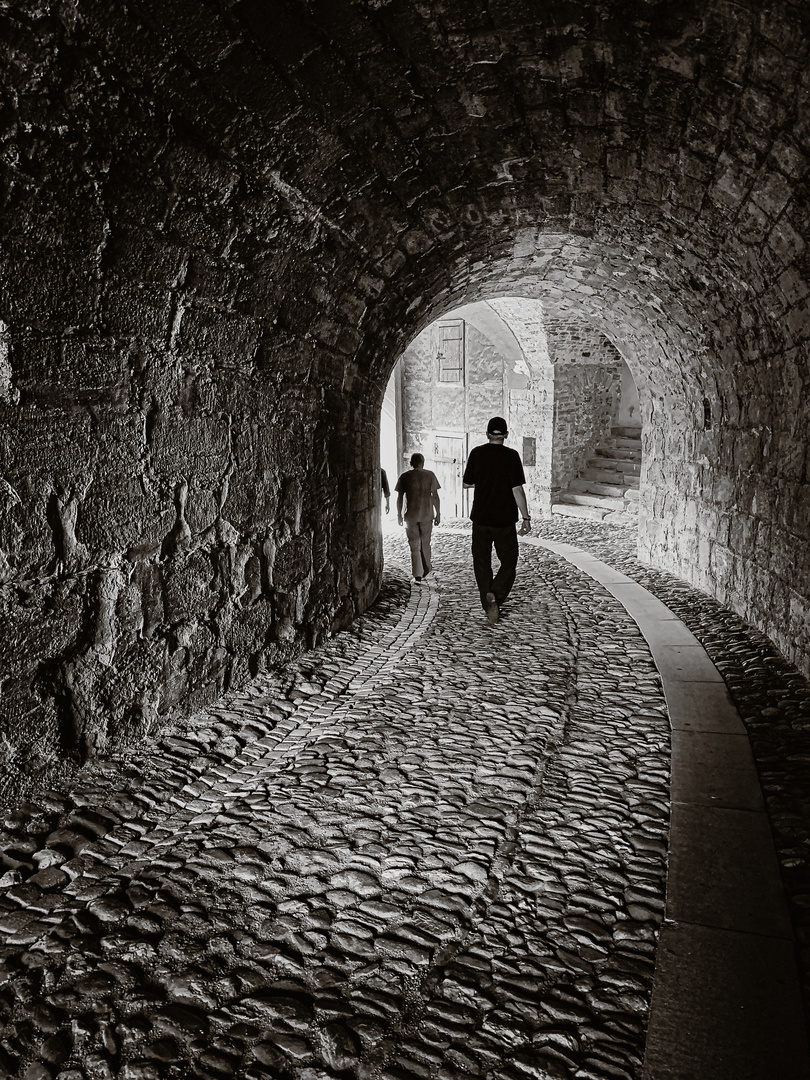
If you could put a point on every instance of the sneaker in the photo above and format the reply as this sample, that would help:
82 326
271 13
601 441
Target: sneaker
417 579
491 608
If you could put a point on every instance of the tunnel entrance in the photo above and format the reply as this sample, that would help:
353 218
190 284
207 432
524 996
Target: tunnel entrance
567 393
220 241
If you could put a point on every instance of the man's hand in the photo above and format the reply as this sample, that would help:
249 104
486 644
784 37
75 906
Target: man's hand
399 519
525 527
437 520
387 505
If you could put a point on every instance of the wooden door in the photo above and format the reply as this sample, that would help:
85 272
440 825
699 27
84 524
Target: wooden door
448 456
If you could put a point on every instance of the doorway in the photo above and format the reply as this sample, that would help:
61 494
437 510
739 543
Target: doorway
449 452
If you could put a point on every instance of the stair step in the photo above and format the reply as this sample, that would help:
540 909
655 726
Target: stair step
603 476
590 500
632 495
620 466
627 444
624 517
596 487
632 482
593 513
626 432
605 463
618 453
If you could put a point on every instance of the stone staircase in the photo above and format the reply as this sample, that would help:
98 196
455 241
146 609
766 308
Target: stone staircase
608 489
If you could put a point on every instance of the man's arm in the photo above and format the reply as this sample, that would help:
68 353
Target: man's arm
523 507
468 477
437 506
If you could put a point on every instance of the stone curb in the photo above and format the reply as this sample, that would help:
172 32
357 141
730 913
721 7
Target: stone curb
726 969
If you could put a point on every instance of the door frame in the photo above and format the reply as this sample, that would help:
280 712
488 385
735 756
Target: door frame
463 437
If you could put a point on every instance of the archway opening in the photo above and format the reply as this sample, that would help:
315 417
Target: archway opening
568 395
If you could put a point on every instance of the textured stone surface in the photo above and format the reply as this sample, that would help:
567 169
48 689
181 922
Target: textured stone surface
587 398
556 383
221 226
350 866
436 849
771 696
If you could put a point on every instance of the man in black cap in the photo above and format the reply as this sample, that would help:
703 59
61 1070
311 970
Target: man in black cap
496 473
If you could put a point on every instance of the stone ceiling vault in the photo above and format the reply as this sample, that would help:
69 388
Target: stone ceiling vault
223 221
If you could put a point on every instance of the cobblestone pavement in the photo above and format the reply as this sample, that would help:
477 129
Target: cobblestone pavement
432 848
771 696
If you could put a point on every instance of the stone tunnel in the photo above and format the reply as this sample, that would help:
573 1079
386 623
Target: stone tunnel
222 227
224 222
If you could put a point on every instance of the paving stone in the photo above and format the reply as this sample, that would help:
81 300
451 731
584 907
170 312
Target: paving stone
487 859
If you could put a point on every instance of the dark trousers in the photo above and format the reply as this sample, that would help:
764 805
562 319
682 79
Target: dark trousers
506 548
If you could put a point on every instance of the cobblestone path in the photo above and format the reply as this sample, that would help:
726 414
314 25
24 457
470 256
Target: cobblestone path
438 850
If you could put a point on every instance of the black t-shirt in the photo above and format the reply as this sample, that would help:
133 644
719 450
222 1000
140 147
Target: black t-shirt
494 469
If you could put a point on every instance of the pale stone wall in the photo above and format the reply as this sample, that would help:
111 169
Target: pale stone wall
418 382
587 395
531 415
567 408
586 398
430 407
629 415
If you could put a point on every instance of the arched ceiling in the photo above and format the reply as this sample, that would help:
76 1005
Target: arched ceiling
640 165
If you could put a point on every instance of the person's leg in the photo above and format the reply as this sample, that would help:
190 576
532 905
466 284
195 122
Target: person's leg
415 544
506 548
426 528
482 560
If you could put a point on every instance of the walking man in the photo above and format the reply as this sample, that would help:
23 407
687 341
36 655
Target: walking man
496 473
420 490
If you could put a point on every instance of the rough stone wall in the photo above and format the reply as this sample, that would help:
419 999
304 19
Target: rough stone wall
585 407
187 457
587 395
487 385
629 401
531 408
531 415
730 510
418 382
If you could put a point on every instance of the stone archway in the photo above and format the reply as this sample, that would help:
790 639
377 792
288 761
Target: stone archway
222 230
558 384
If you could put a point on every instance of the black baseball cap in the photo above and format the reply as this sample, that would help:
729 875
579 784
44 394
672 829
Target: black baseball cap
497 426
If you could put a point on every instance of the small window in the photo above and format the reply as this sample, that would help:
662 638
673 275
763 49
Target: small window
451 352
